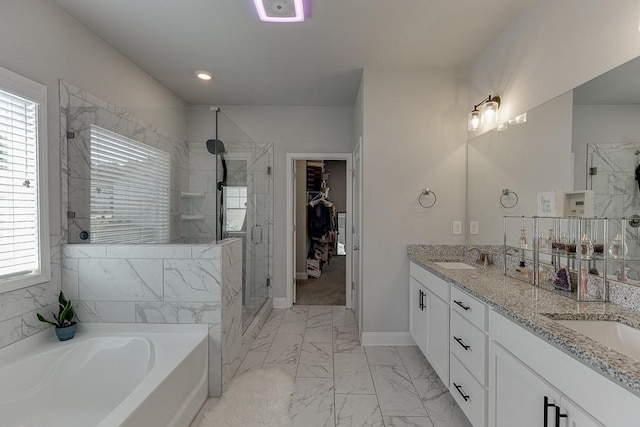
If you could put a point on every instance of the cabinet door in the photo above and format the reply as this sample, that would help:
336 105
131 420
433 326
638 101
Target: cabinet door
418 314
437 351
516 394
575 415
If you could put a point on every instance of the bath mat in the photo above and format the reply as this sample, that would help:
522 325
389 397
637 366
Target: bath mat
259 398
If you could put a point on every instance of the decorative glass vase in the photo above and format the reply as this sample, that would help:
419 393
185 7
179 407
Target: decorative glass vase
617 249
586 246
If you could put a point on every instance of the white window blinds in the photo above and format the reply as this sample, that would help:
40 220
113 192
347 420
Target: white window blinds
19 233
130 198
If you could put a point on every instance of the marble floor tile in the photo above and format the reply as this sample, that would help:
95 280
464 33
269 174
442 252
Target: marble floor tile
253 360
321 319
298 309
415 362
315 310
344 318
318 334
396 421
357 410
396 393
292 327
346 340
383 356
285 349
289 369
439 404
351 374
316 360
312 403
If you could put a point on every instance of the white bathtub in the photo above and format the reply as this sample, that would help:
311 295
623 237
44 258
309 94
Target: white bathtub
109 375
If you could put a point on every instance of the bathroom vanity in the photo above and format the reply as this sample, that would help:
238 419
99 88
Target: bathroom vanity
508 360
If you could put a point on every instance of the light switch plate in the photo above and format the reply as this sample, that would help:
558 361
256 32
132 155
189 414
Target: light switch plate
473 227
457 227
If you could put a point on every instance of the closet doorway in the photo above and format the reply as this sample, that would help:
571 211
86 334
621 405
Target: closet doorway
319 217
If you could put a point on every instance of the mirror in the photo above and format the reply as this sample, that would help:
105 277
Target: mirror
594 126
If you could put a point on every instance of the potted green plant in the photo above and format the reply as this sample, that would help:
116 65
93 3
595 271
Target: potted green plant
65 325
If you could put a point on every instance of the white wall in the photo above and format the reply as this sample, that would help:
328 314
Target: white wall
601 124
414 137
43 43
552 48
290 130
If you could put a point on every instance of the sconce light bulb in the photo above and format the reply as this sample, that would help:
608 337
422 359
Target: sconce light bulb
474 121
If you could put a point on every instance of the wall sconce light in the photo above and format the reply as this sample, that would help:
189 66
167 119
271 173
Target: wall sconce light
487 116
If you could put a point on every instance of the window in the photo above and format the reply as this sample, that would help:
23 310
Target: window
24 222
129 190
235 205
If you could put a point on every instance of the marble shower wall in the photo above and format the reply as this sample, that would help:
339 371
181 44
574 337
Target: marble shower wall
78 111
616 192
163 284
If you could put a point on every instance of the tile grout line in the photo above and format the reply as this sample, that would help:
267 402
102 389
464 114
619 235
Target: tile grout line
374 385
416 389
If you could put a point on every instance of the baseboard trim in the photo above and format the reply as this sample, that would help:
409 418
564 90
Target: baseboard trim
280 303
387 339
302 276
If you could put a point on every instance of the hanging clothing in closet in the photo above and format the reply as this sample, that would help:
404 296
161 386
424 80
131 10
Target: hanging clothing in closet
322 219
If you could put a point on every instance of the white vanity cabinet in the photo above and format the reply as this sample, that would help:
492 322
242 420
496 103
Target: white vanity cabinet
429 318
525 373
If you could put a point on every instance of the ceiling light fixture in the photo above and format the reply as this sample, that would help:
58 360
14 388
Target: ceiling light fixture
487 116
280 10
204 75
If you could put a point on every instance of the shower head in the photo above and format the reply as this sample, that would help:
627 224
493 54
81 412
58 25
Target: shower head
215 146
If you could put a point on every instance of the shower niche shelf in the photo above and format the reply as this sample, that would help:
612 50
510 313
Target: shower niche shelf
191 217
191 195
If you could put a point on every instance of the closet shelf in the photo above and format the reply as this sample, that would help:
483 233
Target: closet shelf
189 195
191 217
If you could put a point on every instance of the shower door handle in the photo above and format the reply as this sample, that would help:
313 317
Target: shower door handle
256 234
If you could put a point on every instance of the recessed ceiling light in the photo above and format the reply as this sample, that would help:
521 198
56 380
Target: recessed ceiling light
203 75
280 10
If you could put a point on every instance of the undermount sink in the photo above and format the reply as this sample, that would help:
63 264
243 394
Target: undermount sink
451 265
615 335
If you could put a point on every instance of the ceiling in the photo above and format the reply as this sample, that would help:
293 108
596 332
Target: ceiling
316 62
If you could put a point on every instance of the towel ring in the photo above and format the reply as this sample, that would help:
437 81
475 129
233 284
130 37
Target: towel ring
427 192
505 193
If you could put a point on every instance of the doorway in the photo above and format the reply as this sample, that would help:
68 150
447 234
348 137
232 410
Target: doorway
319 205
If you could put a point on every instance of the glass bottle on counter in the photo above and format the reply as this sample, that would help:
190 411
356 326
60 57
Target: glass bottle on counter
586 247
551 239
617 249
524 244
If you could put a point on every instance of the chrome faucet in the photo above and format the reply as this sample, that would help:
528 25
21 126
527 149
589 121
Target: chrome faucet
483 257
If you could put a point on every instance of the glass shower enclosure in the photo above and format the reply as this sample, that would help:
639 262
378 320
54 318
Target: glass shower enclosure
244 207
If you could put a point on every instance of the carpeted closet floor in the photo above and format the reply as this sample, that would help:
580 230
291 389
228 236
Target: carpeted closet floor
329 289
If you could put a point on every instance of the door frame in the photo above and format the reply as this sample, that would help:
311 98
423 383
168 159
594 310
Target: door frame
290 274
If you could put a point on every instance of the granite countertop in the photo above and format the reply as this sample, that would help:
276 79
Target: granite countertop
529 306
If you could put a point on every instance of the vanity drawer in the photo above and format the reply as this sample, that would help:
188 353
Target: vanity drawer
468 393
469 344
430 281
469 308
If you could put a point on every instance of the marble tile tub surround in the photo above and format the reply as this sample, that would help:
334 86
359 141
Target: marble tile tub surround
78 111
529 306
163 284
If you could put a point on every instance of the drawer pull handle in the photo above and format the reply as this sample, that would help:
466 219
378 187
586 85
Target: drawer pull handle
464 307
558 416
459 340
421 304
546 411
459 388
